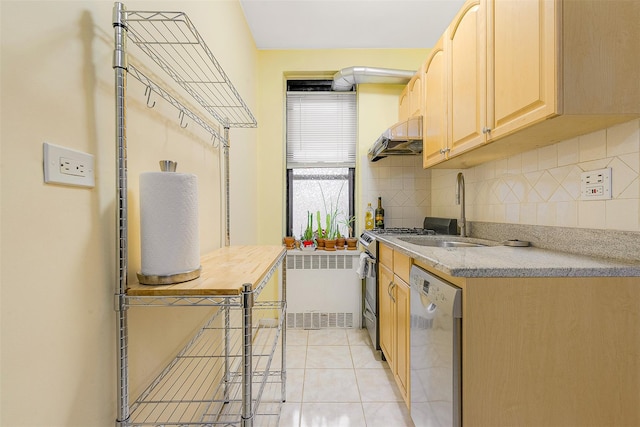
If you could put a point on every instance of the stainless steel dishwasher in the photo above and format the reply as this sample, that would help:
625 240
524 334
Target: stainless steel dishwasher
436 363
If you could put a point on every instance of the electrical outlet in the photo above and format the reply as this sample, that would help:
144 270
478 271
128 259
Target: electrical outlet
596 184
66 166
72 167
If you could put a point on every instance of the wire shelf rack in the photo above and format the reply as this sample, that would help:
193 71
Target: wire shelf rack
152 86
172 41
226 375
203 385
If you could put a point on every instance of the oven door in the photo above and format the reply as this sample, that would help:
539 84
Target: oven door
370 311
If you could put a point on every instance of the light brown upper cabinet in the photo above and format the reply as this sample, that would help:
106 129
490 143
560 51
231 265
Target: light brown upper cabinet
462 72
467 79
528 73
403 105
434 122
416 95
411 102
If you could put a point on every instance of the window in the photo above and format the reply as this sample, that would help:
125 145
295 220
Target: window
321 151
310 190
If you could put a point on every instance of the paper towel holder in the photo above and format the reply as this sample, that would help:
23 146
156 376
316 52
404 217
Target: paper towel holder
171 279
168 165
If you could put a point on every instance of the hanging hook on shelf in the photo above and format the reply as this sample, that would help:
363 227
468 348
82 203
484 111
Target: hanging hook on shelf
214 140
183 124
147 92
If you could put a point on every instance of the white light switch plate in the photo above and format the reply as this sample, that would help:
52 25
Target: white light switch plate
596 184
69 167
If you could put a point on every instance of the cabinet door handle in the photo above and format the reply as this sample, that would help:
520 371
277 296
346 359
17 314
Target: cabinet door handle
486 130
392 285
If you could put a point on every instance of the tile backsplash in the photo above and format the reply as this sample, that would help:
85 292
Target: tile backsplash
542 186
403 185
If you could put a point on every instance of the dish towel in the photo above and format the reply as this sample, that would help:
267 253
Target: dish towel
368 269
364 266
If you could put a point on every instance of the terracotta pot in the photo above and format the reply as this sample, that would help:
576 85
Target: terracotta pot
340 243
352 244
330 245
289 242
320 244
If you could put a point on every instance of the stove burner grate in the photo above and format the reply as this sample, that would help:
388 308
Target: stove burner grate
401 230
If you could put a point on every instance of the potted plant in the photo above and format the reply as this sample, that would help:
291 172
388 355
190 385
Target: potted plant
331 234
321 234
340 241
289 241
330 231
352 242
307 235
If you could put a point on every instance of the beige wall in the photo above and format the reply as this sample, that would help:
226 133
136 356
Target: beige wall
542 186
377 109
58 347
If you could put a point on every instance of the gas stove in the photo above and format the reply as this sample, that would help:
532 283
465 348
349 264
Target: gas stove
403 230
368 237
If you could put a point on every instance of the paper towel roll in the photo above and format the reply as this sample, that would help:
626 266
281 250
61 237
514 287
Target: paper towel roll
169 235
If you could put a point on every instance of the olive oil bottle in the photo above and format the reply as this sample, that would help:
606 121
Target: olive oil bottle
379 214
368 218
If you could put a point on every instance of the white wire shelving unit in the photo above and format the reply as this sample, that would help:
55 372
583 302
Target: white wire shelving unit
232 372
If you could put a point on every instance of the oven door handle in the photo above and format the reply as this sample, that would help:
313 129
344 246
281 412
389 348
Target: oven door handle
368 315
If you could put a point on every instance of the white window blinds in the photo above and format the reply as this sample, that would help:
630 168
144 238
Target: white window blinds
321 129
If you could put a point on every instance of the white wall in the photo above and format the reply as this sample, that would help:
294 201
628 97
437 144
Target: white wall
58 341
542 186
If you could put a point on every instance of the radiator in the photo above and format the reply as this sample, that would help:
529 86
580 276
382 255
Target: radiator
323 290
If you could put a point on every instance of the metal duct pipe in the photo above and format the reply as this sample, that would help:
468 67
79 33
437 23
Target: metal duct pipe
344 79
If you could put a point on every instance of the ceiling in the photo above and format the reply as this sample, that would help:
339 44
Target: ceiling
343 24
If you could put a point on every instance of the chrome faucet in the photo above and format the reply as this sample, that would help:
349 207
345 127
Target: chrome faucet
460 201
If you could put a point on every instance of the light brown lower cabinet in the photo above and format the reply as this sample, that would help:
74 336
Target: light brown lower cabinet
552 351
394 315
386 315
402 371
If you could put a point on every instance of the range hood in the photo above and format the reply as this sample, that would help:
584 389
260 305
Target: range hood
402 139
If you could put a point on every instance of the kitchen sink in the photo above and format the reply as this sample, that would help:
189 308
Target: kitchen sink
450 244
447 242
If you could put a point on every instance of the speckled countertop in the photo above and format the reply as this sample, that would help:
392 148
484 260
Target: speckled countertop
503 261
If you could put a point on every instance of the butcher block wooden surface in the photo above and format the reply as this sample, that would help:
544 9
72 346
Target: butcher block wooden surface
224 271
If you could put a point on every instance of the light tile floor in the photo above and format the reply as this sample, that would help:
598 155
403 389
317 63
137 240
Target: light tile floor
334 380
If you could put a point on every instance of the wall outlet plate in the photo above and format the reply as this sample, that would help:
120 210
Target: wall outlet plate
68 167
596 184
